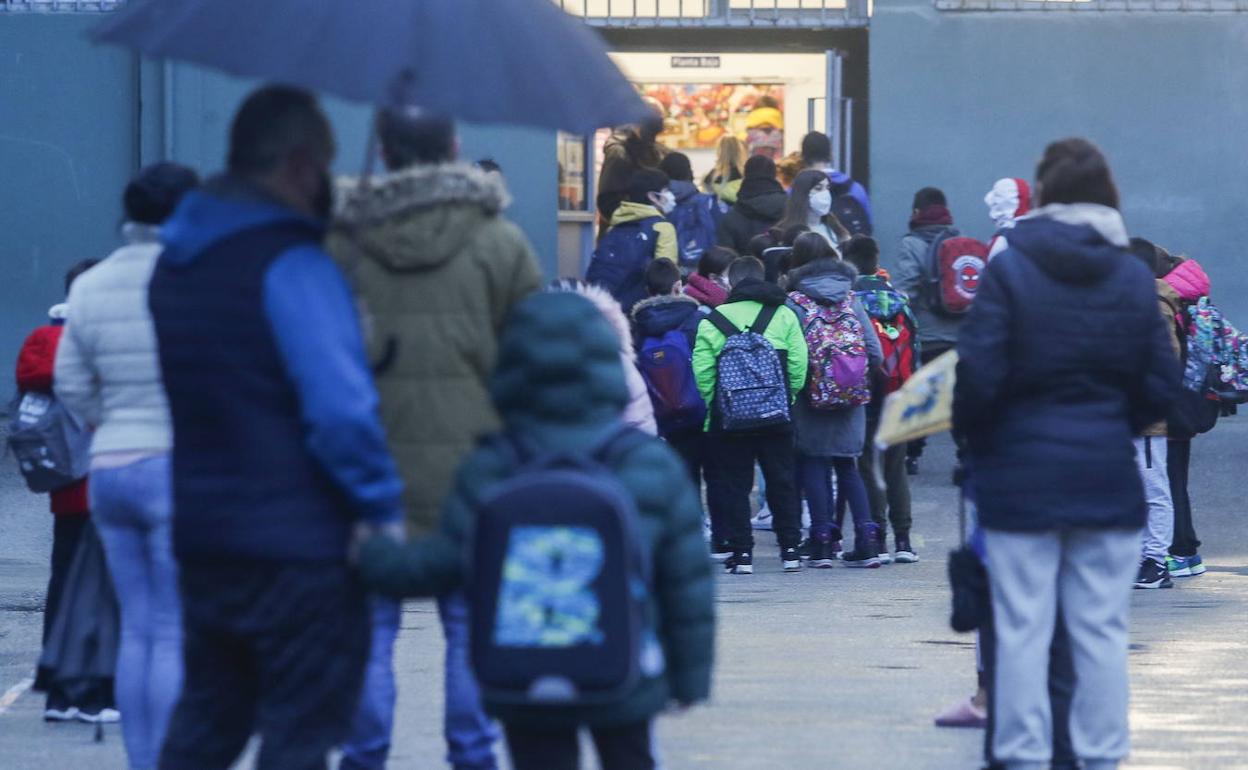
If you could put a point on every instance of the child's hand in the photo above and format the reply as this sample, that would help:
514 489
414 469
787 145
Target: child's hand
381 561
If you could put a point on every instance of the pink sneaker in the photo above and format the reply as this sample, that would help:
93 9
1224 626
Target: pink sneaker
963 714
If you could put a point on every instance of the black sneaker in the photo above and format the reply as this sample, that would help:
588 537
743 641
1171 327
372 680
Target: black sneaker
823 554
912 466
905 554
790 560
740 563
807 549
862 558
720 552
1153 575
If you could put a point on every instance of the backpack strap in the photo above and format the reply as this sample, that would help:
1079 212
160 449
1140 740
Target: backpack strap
721 322
764 319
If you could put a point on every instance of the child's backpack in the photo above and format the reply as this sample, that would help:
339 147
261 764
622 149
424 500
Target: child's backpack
53 449
955 266
666 364
849 210
560 580
895 327
619 263
838 354
752 390
695 224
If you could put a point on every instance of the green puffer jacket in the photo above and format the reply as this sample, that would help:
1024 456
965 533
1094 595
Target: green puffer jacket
560 386
437 270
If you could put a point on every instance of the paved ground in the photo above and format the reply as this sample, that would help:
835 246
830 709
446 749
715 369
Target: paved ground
831 669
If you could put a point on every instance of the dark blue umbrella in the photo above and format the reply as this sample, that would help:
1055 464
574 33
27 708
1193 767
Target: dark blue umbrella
523 62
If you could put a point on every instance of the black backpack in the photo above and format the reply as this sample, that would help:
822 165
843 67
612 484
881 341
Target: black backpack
560 579
849 210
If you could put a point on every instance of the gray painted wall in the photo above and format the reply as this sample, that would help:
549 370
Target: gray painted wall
959 100
76 121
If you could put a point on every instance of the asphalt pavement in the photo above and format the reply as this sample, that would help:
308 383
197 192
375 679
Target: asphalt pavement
831 668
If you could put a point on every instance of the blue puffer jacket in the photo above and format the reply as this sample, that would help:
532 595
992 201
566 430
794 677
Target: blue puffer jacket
1064 360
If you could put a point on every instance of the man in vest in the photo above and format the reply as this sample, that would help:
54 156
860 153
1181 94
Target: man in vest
278 450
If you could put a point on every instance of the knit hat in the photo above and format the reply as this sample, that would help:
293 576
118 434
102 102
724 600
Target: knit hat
1008 200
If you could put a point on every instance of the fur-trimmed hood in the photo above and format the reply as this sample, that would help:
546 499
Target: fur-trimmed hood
419 217
657 316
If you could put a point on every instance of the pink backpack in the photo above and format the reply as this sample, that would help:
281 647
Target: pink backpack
838 354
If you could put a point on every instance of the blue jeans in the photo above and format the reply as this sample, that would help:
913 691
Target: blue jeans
470 734
815 480
132 506
368 746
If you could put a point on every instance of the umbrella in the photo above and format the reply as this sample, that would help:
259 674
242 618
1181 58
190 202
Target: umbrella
922 407
523 62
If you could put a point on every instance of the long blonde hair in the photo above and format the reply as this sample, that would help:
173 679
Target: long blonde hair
729 159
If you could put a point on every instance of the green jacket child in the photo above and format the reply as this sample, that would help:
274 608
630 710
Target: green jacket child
560 386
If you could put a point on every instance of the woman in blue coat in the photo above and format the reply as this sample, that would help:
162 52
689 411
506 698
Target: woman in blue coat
1064 361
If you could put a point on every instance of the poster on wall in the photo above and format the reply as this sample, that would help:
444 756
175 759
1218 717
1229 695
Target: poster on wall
697 115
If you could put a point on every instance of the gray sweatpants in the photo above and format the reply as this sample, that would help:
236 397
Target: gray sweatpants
1150 455
1092 572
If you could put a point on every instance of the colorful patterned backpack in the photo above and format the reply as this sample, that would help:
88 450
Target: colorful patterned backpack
837 343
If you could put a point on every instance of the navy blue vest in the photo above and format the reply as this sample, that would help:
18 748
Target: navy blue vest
244 483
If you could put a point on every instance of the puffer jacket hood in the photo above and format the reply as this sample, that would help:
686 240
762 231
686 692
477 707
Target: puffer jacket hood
1074 243
755 290
633 212
826 281
1189 281
559 367
420 217
657 316
764 205
683 191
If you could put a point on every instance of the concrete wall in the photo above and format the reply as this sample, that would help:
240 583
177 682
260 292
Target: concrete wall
961 99
76 121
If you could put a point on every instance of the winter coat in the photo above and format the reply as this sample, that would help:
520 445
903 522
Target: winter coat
437 270
657 316
1064 361
621 158
856 190
823 432
1171 310
910 276
665 244
36 365
708 293
742 308
1189 281
108 367
760 205
639 412
559 385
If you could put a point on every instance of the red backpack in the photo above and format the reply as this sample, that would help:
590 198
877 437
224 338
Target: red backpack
955 266
895 326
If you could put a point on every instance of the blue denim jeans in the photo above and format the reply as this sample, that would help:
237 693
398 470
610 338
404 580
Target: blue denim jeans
470 734
368 747
132 507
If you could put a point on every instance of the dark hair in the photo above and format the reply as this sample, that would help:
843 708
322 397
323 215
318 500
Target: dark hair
153 193
1167 263
661 275
929 196
651 126
273 123
1075 171
761 242
646 181
744 269
410 137
816 148
1147 253
77 270
489 165
811 247
797 209
715 261
677 167
790 234
760 167
863 252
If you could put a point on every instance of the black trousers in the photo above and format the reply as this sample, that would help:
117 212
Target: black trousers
1178 466
629 747
691 446
930 352
730 479
273 649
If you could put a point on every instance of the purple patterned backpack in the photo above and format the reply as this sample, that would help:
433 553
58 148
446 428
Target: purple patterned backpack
838 354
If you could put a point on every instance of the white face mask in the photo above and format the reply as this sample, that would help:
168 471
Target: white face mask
820 202
665 202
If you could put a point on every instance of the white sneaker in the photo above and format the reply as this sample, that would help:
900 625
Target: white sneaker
762 520
103 717
60 715
886 558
